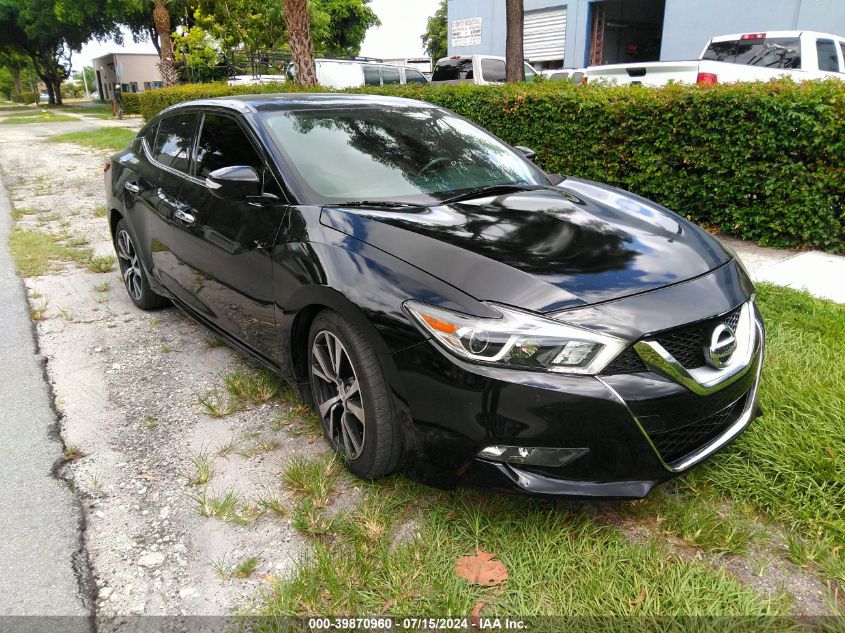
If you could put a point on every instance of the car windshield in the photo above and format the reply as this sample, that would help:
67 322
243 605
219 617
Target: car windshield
398 154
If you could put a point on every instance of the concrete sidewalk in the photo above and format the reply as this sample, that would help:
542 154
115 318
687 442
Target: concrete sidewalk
43 566
820 274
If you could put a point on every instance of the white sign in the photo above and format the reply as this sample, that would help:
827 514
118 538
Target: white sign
466 32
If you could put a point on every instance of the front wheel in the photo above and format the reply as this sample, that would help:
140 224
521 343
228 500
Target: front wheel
132 271
351 397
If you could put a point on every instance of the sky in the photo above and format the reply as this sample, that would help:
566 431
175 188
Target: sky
402 24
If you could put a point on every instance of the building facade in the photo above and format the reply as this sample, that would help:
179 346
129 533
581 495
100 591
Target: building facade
135 72
575 33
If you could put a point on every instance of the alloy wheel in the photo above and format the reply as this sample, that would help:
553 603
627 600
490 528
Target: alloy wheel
337 394
130 267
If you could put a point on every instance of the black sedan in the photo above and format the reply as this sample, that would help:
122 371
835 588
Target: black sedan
449 309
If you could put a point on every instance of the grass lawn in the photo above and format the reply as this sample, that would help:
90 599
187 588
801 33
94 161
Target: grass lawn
108 138
35 117
785 473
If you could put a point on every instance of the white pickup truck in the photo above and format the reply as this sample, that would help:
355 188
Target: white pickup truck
800 55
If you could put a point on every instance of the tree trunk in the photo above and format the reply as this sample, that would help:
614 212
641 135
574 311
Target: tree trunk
57 91
167 65
16 79
514 57
301 44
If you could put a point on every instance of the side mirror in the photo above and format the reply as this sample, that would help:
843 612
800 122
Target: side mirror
527 152
555 179
234 183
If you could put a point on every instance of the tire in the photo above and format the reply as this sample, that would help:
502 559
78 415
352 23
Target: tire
132 271
367 414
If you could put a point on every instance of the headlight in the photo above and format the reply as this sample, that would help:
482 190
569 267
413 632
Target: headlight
518 339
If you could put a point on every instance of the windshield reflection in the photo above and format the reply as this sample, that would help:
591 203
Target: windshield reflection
399 154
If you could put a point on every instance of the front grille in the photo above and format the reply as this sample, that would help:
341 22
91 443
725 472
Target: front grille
686 343
681 441
628 362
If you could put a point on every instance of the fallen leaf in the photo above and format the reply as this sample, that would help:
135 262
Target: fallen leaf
830 452
475 616
639 599
481 569
389 604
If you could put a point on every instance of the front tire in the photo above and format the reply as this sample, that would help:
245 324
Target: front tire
132 271
351 397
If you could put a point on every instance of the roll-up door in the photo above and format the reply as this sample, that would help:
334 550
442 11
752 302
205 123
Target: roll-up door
544 35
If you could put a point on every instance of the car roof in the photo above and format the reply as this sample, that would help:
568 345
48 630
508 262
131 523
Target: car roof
301 101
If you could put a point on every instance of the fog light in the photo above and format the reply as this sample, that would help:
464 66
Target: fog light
532 456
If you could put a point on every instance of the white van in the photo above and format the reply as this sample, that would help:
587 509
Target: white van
342 73
480 70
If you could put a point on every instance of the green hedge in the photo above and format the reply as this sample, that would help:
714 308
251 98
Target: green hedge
764 162
132 102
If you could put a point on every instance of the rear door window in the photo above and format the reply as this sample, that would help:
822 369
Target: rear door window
414 77
828 59
372 76
390 76
771 52
173 141
493 69
452 69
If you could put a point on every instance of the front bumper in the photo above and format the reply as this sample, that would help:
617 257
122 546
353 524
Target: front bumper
459 408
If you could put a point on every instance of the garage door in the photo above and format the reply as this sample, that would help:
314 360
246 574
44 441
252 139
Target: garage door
545 34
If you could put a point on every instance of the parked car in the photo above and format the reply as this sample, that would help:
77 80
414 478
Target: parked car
801 55
255 80
476 69
343 73
446 307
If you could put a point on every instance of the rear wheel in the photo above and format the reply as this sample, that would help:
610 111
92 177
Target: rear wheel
351 397
132 271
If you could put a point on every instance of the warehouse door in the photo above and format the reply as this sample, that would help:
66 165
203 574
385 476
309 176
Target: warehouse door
545 37
623 31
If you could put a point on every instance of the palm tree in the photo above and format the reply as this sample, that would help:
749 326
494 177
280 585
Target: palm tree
514 56
301 44
167 65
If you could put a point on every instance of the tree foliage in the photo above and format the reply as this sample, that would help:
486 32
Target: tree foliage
435 40
49 31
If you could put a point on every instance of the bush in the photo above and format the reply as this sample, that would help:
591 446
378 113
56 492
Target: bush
24 97
131 103
762 161
154 101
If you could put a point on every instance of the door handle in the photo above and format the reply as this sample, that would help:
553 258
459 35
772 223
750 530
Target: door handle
184 216
131 187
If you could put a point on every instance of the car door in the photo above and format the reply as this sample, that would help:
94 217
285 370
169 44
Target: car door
223 252
169 158
151 190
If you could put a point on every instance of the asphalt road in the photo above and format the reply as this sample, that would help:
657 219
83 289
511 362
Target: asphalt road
43 567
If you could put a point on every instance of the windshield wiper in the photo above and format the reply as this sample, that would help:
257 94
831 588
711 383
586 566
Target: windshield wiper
489 190
374 203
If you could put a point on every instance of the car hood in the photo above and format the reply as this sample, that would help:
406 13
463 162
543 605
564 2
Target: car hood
574 244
